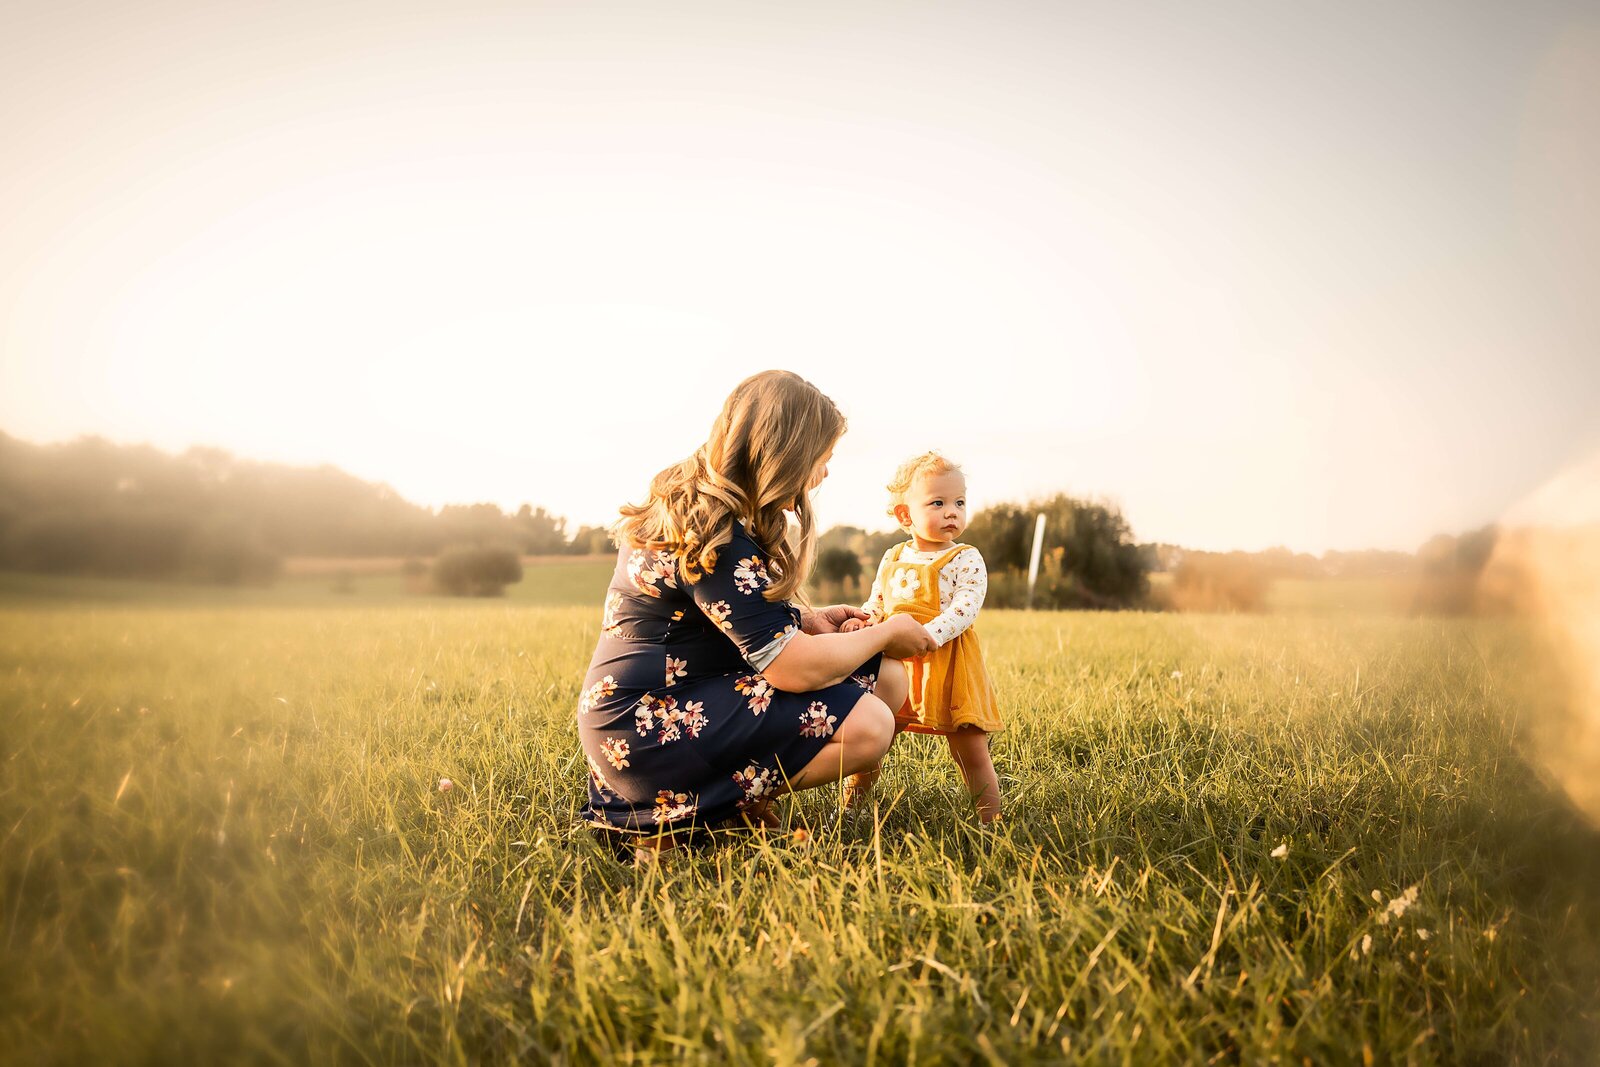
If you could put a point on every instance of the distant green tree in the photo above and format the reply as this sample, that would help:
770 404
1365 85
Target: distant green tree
229 553
838 564
476 570
869 546
591 541
539 532
1090 558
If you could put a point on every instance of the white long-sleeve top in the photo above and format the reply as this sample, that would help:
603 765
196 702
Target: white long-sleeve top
963 583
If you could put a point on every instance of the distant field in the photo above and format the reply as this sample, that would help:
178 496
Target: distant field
547 580
334 566
222 839
550 581
1376 596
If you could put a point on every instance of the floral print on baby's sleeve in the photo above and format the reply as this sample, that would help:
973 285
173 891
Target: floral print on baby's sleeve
963 584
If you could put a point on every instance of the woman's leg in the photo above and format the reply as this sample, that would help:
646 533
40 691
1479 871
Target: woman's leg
970 749
857 745
893 688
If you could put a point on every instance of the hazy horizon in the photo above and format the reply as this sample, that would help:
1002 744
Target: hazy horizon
1561 504
1327 280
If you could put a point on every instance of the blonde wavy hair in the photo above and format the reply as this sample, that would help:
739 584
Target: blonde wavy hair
906 473
772 434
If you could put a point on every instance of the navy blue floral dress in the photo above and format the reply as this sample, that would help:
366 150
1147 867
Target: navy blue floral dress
679 729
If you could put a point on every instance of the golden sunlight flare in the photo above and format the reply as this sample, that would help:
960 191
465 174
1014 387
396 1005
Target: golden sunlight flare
1547 564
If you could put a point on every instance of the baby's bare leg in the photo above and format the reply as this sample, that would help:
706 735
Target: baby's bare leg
970 749
893 687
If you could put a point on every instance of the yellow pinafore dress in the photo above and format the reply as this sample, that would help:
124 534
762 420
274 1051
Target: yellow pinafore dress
949 686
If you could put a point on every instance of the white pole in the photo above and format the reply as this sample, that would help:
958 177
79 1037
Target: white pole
1033 564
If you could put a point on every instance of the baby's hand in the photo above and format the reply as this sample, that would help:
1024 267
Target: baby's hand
850 626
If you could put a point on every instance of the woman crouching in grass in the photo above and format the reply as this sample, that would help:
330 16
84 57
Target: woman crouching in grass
710 692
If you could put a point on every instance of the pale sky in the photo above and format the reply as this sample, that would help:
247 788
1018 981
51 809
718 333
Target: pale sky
1260 273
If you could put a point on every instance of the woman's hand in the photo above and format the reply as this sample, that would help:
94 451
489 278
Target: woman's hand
829 620
905 637
808 662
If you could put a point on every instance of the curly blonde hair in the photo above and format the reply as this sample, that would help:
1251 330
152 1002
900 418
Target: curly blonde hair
772 434
906 473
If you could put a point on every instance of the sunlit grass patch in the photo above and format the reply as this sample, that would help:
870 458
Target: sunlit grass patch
1229 838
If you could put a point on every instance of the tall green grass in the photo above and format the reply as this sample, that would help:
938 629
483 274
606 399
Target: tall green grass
222 838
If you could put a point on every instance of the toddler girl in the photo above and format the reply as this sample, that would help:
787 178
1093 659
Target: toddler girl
941 584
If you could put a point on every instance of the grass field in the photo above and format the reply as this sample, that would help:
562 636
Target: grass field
222 839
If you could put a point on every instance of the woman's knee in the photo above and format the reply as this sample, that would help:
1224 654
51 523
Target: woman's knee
870 725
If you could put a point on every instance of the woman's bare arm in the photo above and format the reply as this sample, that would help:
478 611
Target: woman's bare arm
816 661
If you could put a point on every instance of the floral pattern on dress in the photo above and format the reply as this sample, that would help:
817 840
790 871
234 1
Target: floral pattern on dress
670 806
757 783
750 575
815 720
596 693
676 668
597 781
615 750
663 715
650 570
694 717
757 690
718 613
608 623
868 682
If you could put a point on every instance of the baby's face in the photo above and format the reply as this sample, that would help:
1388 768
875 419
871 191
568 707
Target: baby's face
938 506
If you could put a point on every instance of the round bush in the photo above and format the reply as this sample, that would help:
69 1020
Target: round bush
476 570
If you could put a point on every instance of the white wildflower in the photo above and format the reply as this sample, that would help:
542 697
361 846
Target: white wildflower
1398 906
1281 851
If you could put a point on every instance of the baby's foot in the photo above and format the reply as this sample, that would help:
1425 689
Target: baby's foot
858 789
